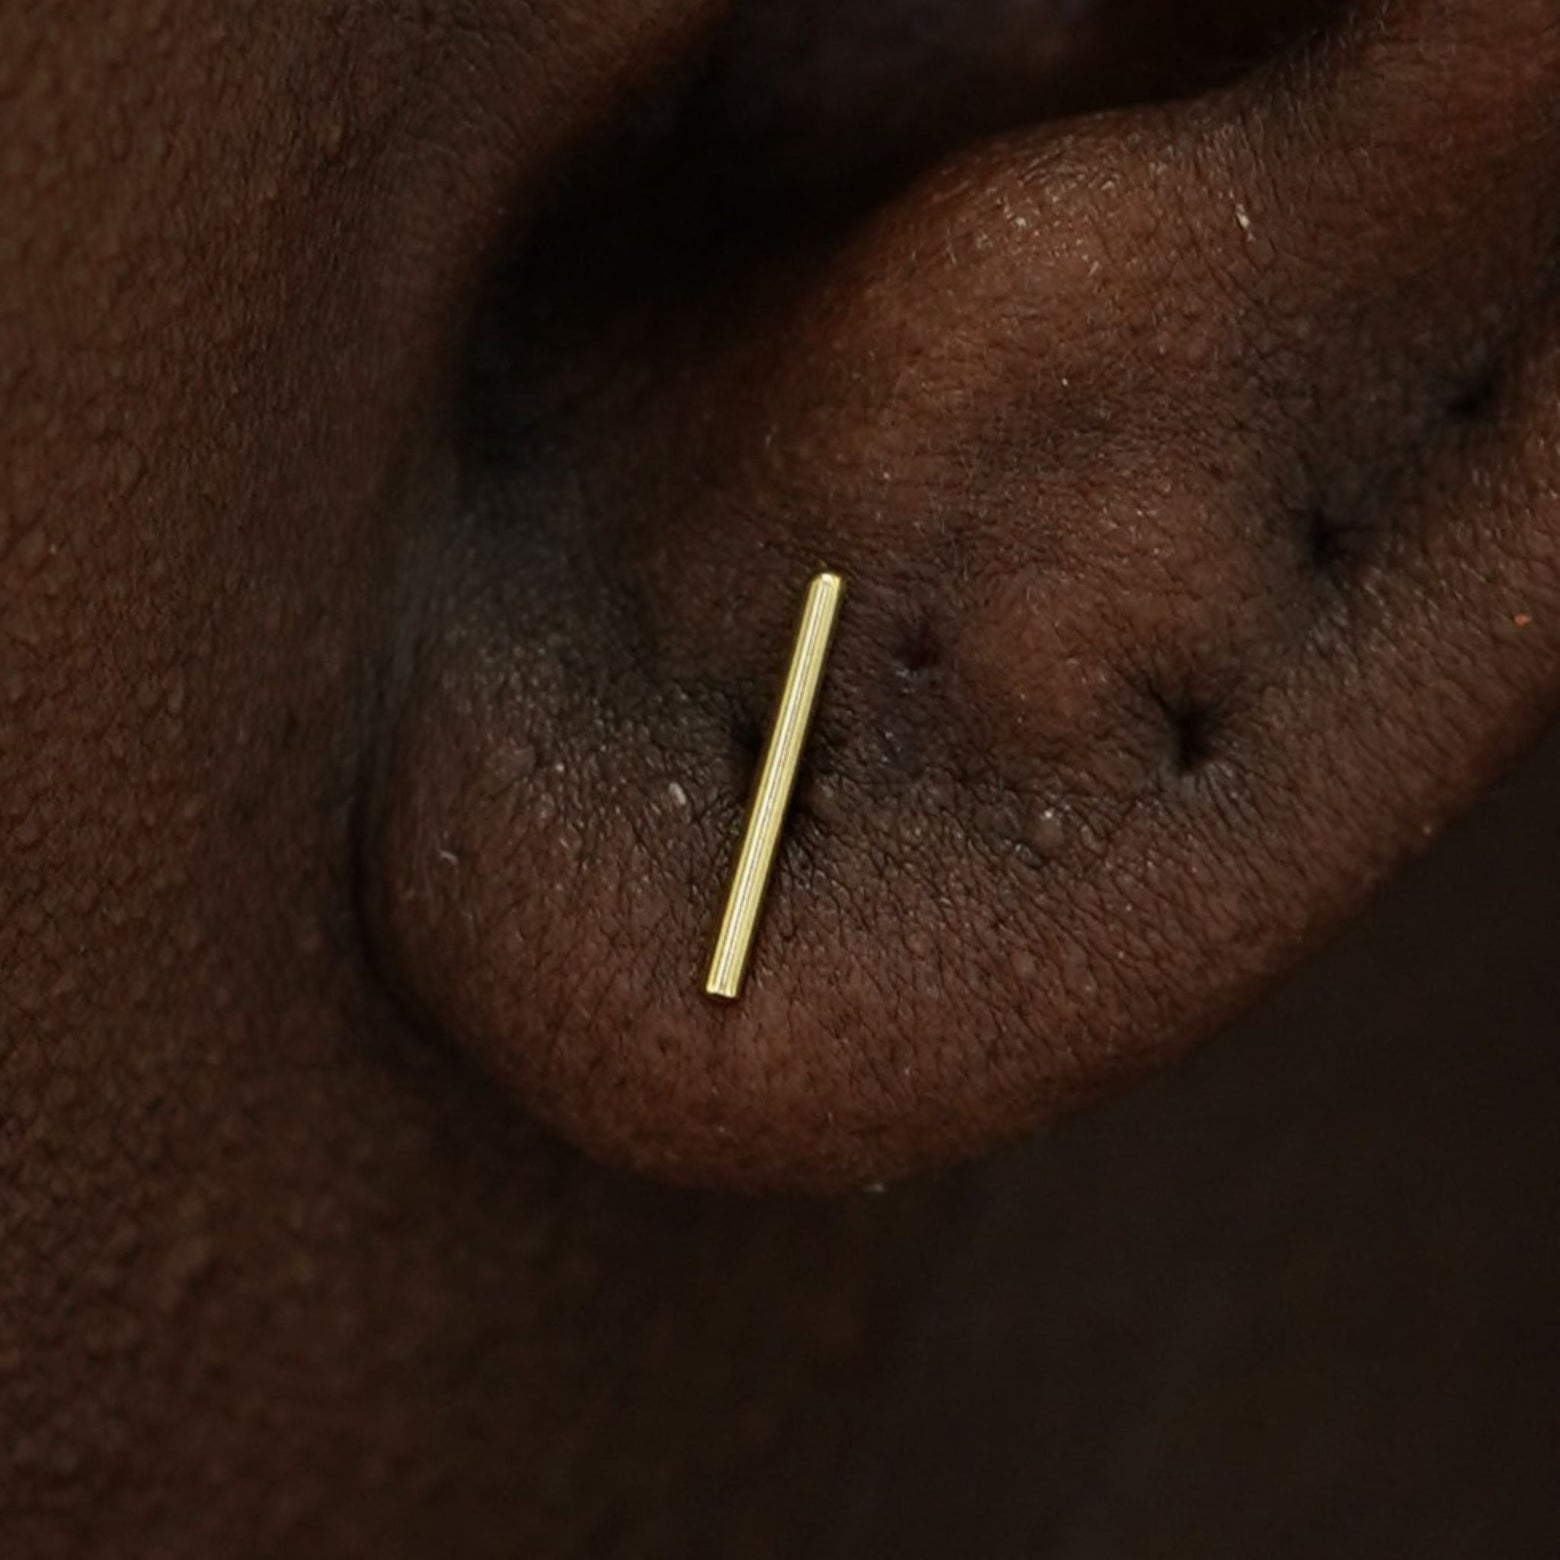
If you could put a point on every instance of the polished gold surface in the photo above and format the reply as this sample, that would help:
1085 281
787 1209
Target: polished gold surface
772 795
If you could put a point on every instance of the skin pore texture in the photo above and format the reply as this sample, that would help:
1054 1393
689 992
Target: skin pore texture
419 424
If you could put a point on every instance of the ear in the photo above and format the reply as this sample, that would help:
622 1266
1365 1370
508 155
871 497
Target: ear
1195 472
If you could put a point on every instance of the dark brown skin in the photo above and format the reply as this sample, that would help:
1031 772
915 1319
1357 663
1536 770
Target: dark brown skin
417 428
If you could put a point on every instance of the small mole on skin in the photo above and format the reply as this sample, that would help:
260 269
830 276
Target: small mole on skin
821 798
1522 620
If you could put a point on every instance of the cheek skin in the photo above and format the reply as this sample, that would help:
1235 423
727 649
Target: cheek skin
1175 624
229 252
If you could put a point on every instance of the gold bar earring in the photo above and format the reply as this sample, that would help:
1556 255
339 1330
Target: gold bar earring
776 780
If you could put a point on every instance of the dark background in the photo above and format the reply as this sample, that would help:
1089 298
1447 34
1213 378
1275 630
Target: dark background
1296 1297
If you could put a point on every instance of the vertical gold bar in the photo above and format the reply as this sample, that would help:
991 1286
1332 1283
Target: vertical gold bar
776 780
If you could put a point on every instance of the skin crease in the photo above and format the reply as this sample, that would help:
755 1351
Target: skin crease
1194 467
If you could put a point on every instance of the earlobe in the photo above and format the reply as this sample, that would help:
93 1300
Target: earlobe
1185 569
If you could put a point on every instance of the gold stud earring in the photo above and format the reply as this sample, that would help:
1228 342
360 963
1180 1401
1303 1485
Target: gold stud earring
776 781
